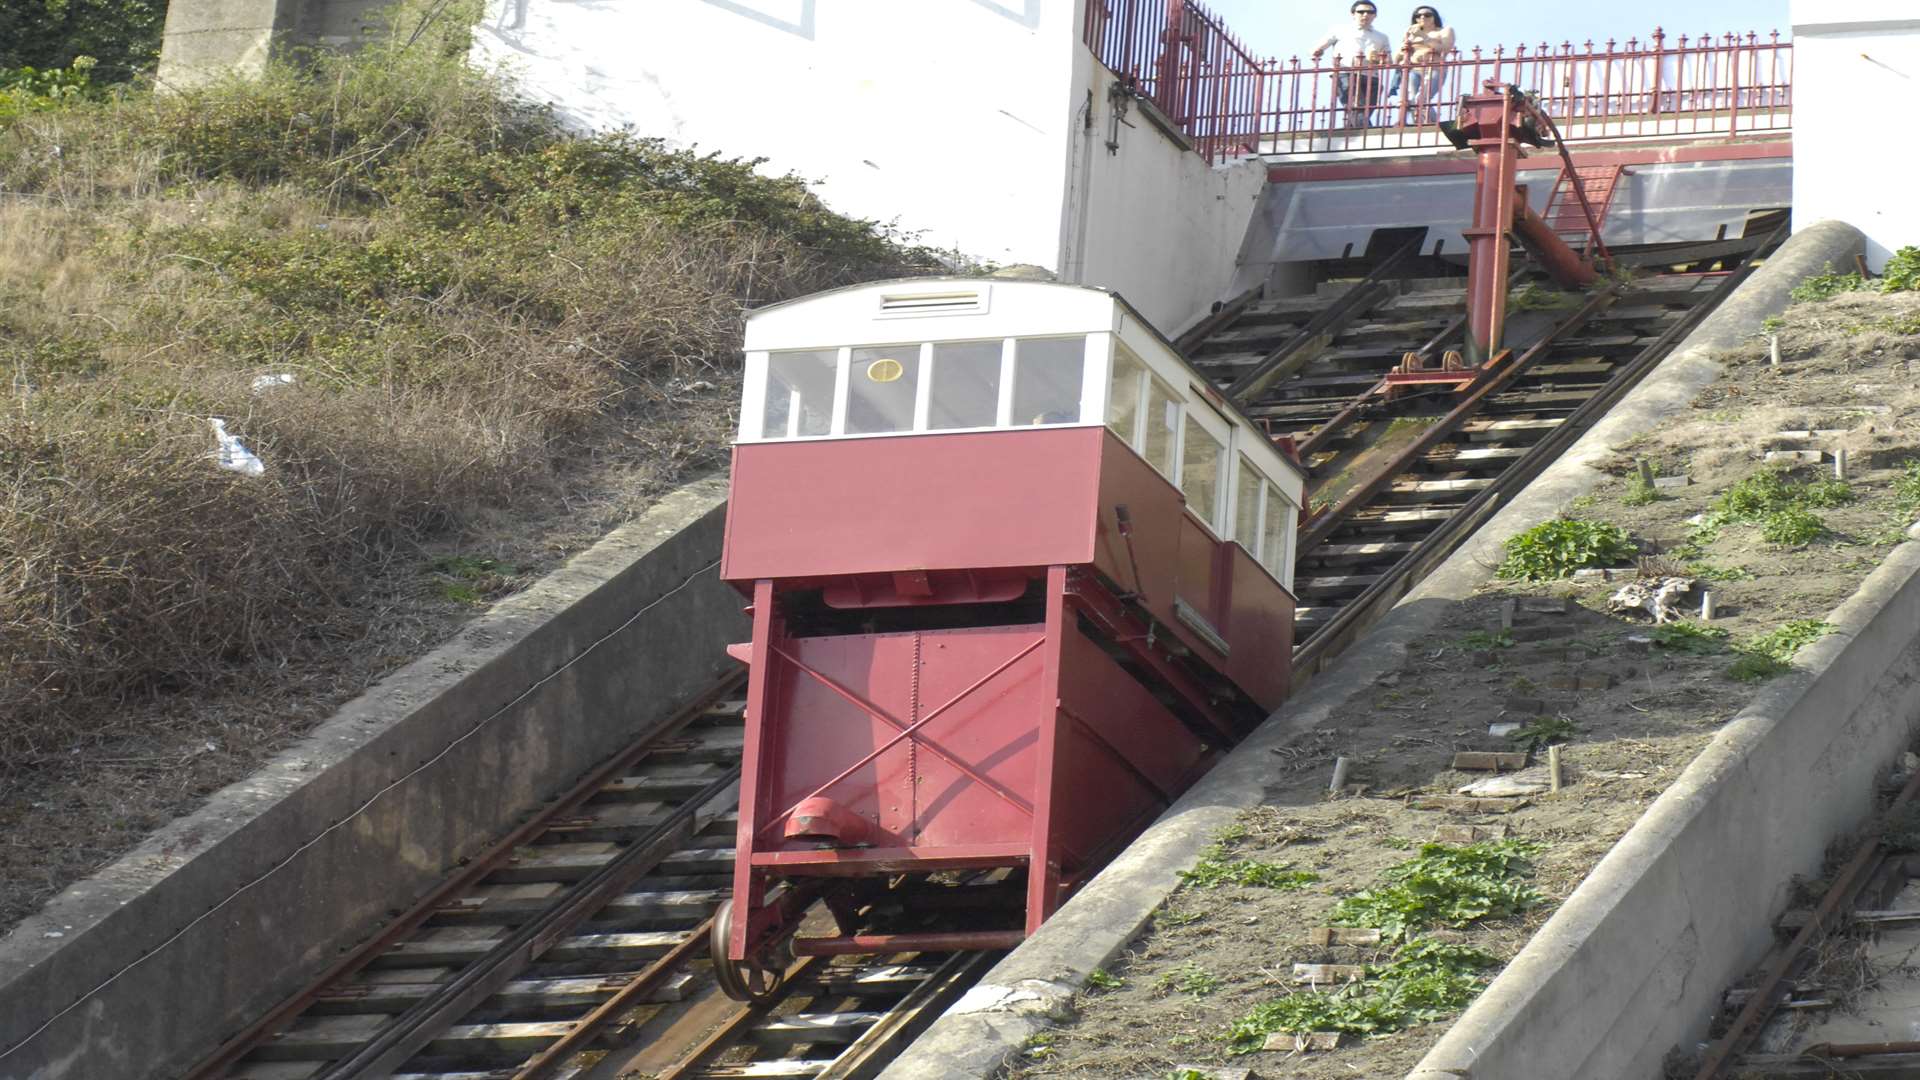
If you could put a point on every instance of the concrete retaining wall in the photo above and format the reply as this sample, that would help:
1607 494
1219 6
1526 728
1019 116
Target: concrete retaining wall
1031 989
145 967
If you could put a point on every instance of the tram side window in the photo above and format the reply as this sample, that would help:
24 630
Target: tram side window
799 394
1200 469
966 385
1273 534
1046 380
1163 426
1123 396
1248 486
881 388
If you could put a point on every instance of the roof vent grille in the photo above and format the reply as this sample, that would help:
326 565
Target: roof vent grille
957 302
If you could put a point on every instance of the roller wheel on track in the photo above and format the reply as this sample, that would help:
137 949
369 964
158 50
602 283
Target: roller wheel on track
741 980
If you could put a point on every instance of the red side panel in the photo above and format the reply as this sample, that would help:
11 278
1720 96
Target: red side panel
1260 626
964 778
1122 757
913 502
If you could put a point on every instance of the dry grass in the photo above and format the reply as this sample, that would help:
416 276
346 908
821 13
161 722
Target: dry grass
485 319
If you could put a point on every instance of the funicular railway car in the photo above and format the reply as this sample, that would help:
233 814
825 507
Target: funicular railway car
1018 576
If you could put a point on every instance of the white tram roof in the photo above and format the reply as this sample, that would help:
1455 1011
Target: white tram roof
947 309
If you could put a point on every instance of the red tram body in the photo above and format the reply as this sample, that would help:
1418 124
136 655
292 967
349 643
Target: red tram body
992 635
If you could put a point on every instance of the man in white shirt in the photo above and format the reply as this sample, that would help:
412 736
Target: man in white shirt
1364 49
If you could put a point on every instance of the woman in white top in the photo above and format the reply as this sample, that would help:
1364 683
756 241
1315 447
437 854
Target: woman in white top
1427 41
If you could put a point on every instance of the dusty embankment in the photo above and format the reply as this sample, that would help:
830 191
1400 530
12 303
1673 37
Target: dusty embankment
1214 980
459 343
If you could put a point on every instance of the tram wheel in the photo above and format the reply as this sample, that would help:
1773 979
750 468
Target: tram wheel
741 980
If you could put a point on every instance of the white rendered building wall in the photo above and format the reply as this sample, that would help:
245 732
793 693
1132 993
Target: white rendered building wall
948 117
1856 76
1148 217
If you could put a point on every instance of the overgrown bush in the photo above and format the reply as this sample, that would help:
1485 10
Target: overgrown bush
466 297
1554 549
1902 272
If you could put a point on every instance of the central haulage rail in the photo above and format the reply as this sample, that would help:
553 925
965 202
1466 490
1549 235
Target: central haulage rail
1184 60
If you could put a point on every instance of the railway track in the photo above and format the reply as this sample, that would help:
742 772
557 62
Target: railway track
578 946
1398 482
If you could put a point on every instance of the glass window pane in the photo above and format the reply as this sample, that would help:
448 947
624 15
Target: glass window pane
1123 395
880 389
1246 507
1200 470
1273 555
799 394
966 385
1163 423
1046 380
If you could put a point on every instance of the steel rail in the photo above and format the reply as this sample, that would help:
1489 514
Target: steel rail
1357 614
729 1031
878 1045
1223 315
1322 435
1491 382
1298 350
229 1053
411 1031
588 1027
1779 974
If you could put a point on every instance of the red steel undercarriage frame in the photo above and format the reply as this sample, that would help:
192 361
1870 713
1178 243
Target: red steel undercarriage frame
1030 676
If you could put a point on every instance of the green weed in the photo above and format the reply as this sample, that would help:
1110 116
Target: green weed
1826 285
1906 492
1105 980
1902 272
1487 639
1689 637
1792 526
1771 653
1446 885
1543 731
1189 978
1212 872
1554 549
1535 298
1425 981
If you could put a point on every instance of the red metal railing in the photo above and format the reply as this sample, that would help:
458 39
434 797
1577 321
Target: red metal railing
1181 56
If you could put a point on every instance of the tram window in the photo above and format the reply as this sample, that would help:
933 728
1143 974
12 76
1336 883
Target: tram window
1163 424
799 394
1046 380
880 389
1123 397
966 385
1246 506
1200 469
1273 539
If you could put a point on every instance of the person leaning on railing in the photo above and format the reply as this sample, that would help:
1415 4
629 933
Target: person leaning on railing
1365 49
1427 41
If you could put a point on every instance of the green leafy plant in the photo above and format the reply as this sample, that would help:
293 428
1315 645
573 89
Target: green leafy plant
1535 298
1446 885
1708 571
1689 637
1105 980
1487 639
1906 492
1543 731
1902 272
1772 324
1825 285
1554 549
1792 526
1189 978
1426 981
1212 872
1826 494
1772 653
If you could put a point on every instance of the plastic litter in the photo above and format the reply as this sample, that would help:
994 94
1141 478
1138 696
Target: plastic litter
263 383
233 454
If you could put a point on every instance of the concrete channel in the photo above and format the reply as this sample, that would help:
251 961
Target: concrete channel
145 967
1606 988
141 969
